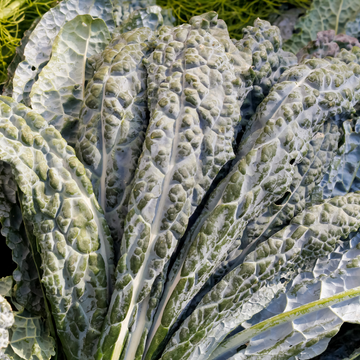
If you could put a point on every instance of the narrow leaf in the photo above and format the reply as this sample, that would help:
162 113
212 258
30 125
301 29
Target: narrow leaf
193 100
262 174
71 232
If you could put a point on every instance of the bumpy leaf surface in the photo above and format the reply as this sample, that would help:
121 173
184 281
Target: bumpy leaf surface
262 42
113 122
59 91
352 28
342 175
322 15
262 174
311 311
124 8
39 47
193 94
247 289
30 339
307 174
6 321
27 290
6 284
148 17
71 232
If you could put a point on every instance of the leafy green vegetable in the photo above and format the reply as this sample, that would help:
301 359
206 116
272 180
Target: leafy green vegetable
38 49
58 93
113 122
29 339
252 285
309 313
263 43
71 232
263 173
322 15
6 321
192 92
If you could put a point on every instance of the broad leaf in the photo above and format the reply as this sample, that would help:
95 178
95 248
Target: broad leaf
322 15
39 47
59 91
29 339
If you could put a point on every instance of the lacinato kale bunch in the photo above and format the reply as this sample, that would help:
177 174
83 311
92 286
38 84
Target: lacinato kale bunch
171 193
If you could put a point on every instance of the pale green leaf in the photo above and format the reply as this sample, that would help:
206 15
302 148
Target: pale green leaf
59 92
30 339
6 284
38 50
71 233
322 15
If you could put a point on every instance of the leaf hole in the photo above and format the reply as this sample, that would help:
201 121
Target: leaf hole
242 347
282 280
76 86
284 199
292 161
33 68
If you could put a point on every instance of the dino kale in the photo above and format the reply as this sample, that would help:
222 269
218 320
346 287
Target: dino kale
171 193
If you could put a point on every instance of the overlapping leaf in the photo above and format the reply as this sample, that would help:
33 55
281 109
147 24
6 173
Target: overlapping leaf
308 314
250 287
322 15
71 232
263 173
29 339
27 290
58 93
113 121
39 47
193 100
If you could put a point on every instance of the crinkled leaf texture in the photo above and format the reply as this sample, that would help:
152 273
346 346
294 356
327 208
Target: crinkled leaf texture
194 100
300 322
113 122
58 93
29 339
263 43
27 291
39 47
6 284
322 15
124 8
262 174
343 173
71 233
150 17
250 287
6 321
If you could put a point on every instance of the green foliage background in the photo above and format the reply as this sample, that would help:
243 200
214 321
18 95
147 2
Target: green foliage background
16 17
236 13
